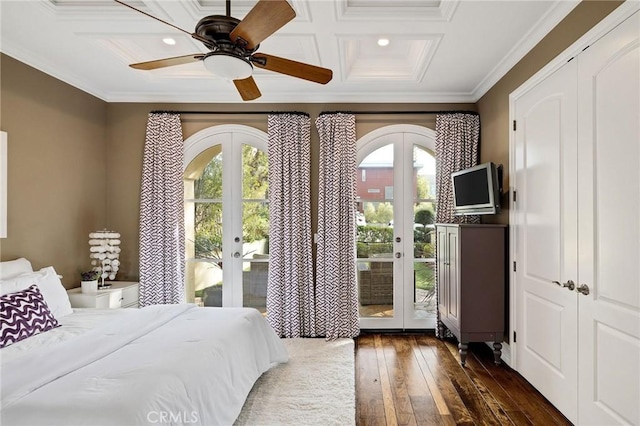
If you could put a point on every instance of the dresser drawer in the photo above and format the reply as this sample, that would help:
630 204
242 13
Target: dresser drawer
102 299
121 294
130 297
130 292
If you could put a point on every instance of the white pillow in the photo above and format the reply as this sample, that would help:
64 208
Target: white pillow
50 286
13 268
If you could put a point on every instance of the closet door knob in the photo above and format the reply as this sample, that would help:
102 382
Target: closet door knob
570 285
583 289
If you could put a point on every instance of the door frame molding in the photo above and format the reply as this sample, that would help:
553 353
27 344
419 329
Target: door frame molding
616 17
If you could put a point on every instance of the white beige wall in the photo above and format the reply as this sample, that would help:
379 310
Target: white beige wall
56 169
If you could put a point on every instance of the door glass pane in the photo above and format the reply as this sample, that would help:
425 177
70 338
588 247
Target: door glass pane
203 228
375 176
424 302
207 264
255 227
424 195
375 203
255 172
206 172
375 239
375 287
254 283
424 186
374 220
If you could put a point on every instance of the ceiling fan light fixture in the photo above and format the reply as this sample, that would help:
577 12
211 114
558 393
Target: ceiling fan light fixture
228 67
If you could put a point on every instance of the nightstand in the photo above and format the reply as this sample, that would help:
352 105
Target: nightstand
121 294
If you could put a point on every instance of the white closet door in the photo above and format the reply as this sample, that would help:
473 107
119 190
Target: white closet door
546 238
609 218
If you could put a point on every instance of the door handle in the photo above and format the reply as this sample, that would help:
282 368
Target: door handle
583 289
569 284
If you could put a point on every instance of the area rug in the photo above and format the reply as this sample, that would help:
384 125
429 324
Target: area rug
316 387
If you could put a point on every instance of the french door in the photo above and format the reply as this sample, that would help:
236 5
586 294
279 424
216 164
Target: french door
226 218
395 236
577 232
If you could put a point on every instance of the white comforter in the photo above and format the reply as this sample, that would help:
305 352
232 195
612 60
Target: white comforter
158 365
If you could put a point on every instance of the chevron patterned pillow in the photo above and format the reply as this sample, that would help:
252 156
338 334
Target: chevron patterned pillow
24 314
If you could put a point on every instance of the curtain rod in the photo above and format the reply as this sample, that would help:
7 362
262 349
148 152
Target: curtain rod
322 113
400 112
229 112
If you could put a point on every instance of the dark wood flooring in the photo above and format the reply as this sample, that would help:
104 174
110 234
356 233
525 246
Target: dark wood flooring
417 380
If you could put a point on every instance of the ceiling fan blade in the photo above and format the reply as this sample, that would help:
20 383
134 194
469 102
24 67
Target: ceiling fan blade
266 17
167 62
194 35
248 89
292 68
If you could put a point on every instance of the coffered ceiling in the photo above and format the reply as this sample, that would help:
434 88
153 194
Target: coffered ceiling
438 51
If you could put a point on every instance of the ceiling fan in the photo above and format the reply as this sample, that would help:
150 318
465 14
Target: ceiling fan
233 44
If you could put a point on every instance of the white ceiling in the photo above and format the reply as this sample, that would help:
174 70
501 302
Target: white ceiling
439 51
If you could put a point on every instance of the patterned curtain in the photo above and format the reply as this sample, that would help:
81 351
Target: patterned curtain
336 285
290 295
162 213
457 145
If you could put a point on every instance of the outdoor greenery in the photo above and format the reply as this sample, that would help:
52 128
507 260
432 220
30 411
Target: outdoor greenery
425 275
208 215
424 217
377 238
373 240
423 236
378 213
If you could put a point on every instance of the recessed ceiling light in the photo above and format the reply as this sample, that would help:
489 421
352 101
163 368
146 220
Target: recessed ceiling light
169 41
383 42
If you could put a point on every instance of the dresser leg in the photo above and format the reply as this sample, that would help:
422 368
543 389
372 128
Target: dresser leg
497 352
462 349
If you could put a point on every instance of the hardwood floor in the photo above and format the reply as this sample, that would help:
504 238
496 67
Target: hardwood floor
416 379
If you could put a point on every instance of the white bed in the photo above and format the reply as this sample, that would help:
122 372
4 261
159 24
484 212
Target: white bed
169 364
